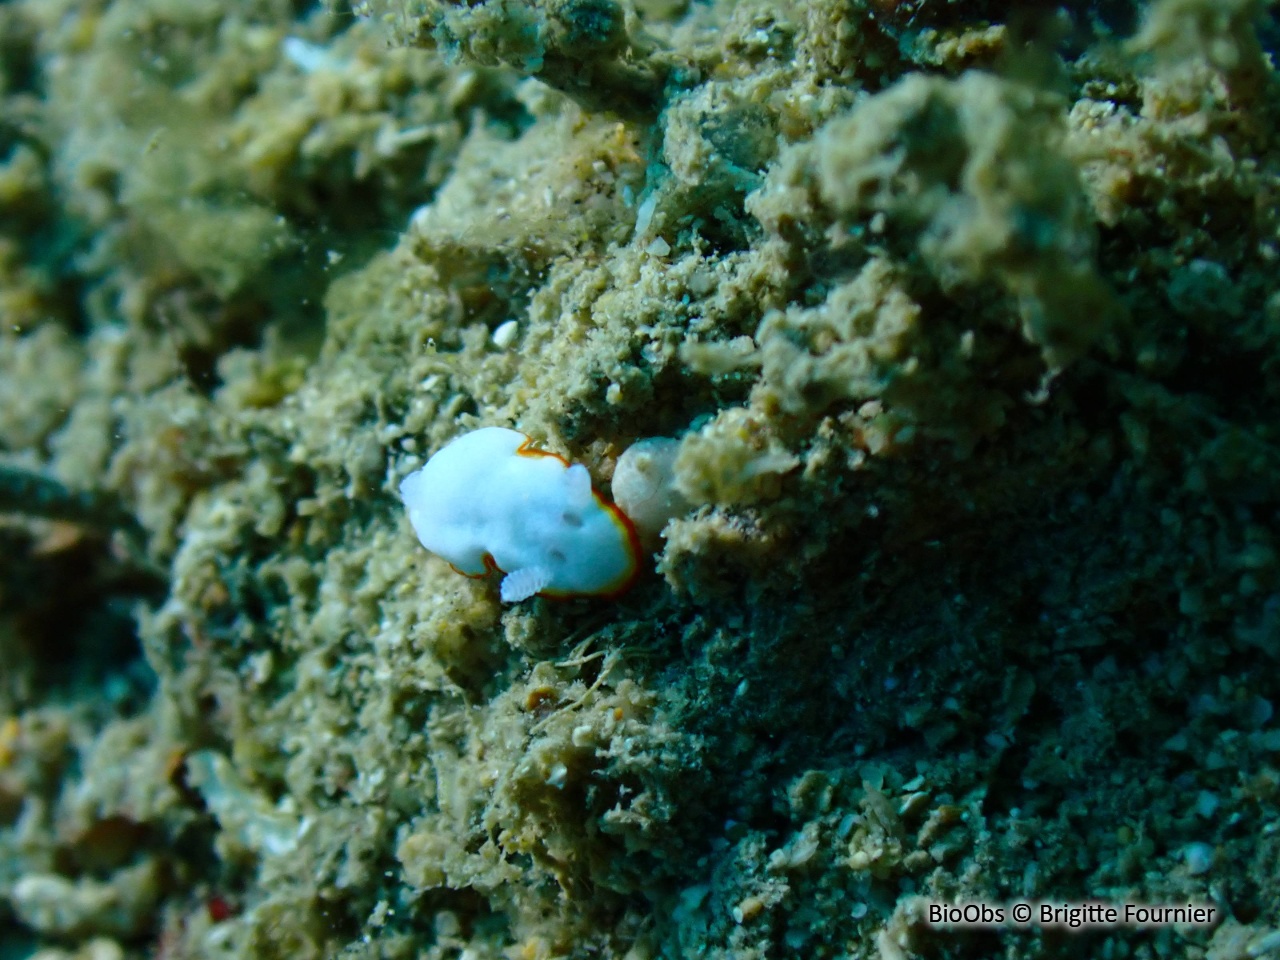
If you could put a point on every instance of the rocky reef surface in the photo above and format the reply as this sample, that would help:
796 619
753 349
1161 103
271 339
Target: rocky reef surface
965 317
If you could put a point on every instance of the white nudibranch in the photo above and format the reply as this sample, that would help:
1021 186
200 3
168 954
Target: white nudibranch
491 502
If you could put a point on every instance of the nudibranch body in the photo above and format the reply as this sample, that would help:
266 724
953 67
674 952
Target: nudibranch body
492 502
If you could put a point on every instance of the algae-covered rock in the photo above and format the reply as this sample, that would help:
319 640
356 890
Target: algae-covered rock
51 905
932 344
586 48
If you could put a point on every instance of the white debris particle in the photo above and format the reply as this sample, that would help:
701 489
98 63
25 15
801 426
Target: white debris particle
306 56
505 334
1198 857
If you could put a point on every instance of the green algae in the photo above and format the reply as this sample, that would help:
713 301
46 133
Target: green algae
970 345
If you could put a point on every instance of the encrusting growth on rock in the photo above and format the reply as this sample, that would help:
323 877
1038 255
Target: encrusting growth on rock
593 50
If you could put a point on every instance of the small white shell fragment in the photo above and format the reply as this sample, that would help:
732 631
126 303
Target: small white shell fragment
658 248
504 335
644 214
490 501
